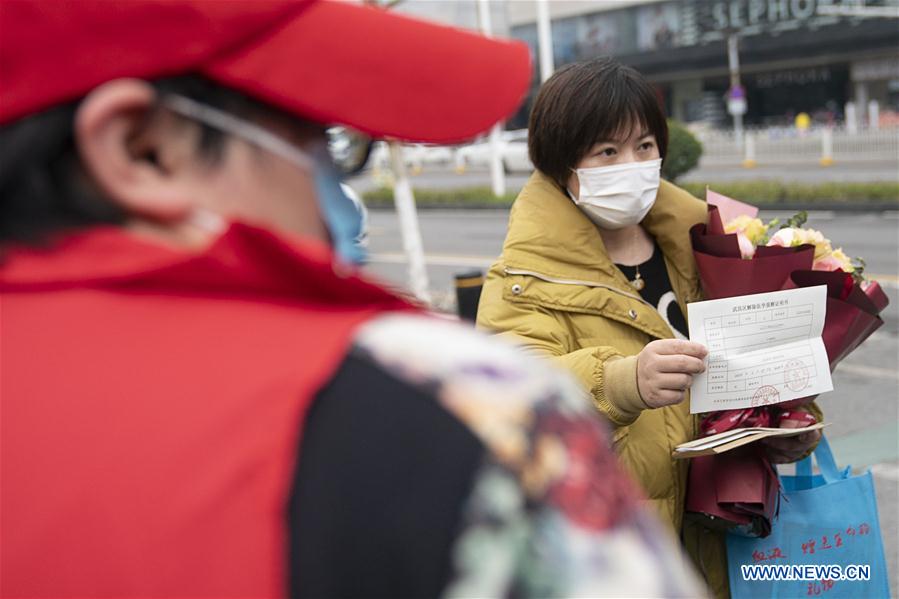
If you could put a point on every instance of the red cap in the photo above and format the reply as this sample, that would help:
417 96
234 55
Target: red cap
327 61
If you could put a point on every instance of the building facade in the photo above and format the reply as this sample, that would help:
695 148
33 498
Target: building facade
795 55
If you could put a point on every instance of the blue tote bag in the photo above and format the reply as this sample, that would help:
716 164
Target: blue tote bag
825 541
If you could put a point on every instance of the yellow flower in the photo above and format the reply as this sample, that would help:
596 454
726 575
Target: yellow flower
843 259
754 229
833 261
815 238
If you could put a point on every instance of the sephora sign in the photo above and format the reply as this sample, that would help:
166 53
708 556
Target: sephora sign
757 16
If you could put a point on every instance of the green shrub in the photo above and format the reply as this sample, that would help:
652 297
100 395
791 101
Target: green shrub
753 192
683 153
775 192
469 196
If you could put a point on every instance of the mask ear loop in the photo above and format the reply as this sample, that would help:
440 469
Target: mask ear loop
245 130
207 220
568 191
337 209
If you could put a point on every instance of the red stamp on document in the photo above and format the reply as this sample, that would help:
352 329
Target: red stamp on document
795 375
765 395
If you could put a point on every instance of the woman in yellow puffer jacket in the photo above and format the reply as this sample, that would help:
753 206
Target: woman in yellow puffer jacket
596 272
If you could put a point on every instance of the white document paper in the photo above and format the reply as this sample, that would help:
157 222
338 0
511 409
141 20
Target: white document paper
763 349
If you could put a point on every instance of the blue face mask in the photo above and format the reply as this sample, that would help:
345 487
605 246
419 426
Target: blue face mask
344 218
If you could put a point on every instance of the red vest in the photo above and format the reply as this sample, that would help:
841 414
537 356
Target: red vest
151 405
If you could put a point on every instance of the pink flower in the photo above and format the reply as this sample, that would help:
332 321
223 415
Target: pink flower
836 260
783 238
747 248
792 237
828 263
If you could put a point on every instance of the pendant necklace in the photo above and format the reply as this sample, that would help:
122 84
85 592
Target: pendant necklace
638 283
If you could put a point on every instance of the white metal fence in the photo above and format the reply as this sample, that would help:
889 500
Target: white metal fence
788 146
764 147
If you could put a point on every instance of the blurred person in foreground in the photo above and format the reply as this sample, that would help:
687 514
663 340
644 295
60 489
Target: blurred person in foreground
200 396
596 272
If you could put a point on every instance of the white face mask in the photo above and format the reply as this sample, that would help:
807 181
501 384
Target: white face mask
619 195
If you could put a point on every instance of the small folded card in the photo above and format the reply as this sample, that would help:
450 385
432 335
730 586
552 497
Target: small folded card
714 444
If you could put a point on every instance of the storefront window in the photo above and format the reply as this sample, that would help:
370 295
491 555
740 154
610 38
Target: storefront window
658 27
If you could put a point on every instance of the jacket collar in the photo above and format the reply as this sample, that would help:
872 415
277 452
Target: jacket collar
548 233
244 260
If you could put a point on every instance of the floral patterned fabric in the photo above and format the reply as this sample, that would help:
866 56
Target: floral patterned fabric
550 513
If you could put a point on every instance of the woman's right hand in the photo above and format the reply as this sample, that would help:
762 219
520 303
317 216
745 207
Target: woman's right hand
665 370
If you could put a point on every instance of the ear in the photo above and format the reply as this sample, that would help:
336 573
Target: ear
107 122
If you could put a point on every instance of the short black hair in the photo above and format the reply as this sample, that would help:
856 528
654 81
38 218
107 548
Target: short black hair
43 187
587 102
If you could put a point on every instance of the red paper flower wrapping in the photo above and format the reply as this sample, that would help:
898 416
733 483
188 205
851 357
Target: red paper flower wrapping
724 273
852 312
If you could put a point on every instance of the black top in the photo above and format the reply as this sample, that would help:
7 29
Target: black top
658 291
383 474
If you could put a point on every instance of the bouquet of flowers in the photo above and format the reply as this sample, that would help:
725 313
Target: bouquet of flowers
738 254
